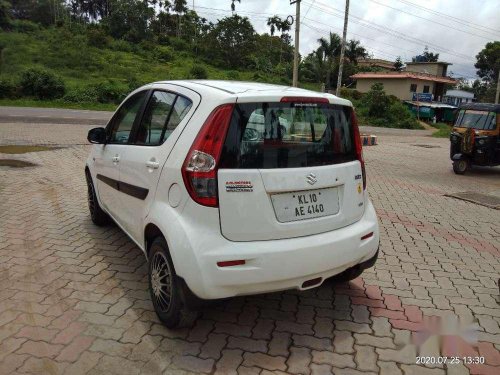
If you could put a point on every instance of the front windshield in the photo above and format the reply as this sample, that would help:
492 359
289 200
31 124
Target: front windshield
480 120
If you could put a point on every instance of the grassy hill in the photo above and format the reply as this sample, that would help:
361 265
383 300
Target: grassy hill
97 62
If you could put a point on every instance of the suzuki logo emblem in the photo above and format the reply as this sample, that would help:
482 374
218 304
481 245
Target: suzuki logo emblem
311 178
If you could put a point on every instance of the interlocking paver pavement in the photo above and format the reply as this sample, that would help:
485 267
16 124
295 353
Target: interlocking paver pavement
74 297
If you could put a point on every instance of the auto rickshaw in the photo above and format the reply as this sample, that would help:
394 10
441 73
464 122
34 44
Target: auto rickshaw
475 138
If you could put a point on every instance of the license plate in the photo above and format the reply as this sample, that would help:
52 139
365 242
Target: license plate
302 205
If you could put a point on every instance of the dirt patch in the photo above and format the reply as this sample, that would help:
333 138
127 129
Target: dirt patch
24 149
16 163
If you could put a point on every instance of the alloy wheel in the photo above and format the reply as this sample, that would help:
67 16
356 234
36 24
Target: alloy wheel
161 281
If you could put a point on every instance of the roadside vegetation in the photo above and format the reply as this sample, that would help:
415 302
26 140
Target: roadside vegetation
376 108
443 131
91 53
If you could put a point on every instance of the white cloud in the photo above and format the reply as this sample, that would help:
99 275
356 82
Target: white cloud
458 47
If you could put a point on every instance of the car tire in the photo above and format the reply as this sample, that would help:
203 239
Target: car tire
98 216
461 166
165 288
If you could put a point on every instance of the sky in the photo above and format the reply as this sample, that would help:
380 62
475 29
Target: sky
456 29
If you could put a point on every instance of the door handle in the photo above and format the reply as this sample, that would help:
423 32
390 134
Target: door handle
153 164
116 158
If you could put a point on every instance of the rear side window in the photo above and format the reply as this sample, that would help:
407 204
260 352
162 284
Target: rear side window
164 112
288 135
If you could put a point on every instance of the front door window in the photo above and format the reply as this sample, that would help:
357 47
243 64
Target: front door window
122 122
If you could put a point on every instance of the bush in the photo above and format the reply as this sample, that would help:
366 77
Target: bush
233 75
350 93
379 109
179 44
121 45
81 95
97 38
104 92
110 92
198 72
443 131
7 89
22 26
41 84
163 54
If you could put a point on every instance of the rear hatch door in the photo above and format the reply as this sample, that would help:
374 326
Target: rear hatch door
288 169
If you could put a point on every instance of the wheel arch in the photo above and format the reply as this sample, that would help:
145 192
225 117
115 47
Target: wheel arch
151 231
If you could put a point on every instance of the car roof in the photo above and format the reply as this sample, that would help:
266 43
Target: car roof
250 90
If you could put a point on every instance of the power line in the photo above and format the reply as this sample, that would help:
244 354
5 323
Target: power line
397 34
379 52
461 21
429 20
263 16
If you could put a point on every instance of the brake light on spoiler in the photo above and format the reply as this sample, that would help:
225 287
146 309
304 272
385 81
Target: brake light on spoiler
304 99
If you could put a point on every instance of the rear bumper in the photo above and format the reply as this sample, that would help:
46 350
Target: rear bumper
280 264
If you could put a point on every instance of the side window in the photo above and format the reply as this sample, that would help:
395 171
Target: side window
181 108
426 89
164 112
155 118
123 121
413 87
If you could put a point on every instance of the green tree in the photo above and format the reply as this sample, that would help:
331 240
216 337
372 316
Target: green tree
398 64
5 14
488 62
45 12
179 7
355 51
234 41
377 101
330 50
130 20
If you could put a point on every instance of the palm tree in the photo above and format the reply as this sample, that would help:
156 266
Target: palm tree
179 7
354 51
330 50
233 6
274 23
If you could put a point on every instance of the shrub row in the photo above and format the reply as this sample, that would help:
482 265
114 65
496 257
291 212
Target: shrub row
37 83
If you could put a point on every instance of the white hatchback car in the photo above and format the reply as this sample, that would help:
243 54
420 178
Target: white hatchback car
234 188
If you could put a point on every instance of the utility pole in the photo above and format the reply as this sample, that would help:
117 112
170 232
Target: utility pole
497 95
297 36
342 50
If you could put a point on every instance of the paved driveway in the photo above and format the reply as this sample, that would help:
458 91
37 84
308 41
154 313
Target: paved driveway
74 299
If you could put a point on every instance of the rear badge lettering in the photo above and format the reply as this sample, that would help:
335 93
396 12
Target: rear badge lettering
239 186
357 177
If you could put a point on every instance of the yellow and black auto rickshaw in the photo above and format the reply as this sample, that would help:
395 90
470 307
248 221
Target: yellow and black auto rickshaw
475 138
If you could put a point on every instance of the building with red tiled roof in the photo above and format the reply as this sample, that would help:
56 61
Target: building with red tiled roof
417 78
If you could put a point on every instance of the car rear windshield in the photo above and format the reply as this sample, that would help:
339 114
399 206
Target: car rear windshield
288 135
480 120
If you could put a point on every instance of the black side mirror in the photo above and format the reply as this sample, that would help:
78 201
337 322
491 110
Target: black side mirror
97 135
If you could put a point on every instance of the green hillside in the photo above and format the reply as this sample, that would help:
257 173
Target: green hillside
115 66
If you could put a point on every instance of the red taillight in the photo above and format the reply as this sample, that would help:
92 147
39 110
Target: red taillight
358 145
200 167
304 99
